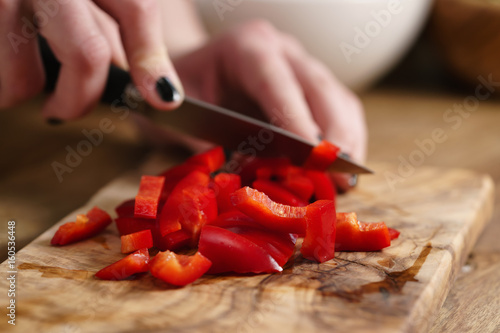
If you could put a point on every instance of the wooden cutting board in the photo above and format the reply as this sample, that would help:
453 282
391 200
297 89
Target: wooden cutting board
439 212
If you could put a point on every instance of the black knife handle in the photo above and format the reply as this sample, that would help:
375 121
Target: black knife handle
116 84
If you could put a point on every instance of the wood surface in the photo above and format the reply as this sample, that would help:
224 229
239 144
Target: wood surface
440 213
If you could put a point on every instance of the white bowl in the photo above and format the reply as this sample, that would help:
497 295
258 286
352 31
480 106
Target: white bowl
359 40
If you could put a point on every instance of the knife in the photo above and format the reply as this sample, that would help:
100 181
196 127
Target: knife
209 122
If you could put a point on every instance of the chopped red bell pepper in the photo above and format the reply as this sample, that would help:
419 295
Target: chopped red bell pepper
128 225
138 240
249 168
171 214
137 262
353 235
214 158
319 241
230 252
179 269
278 193
268 213
324 189
174 241
299 185
126 208
324 154
148 198
177 173
224 185
86 226
393 233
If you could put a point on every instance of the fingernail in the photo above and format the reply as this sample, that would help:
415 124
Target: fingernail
166 90
353 180
54 121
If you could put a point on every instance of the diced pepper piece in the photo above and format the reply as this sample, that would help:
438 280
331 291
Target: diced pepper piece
268 213
230 252
249 168
148 198
299 185
174 175
324 154
353 235
224 185
179 269
319 241
214 158
137 262
393 233
86 226
126 208
174 241
277 193
128 225
171 214
324 189
138 240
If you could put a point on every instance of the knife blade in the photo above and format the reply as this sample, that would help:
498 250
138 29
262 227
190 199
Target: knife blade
212 123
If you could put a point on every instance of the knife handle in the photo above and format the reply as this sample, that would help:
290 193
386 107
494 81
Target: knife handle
117 84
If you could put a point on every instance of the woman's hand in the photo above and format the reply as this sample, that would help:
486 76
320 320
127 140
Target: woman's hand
258 63
85 36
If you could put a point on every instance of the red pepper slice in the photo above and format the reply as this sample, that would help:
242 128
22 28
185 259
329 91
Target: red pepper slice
224 185
177 173
324 154
319 242
137 262
393 233
249 168
278 193
233 218
324 189
126 208
214 158
268 213
148 198
179 269
353 235
174 241
86 226
299 185
230 252
138 240
171 215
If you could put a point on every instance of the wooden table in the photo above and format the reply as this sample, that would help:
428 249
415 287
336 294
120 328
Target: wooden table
30 190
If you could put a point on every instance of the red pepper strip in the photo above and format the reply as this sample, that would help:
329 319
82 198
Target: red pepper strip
268 213
264 173
148 198
324 189
233 218
299 185
179 269
230 252
128 225
353 235
138 240
86 226
322 156
224 185
214 158
170 217
137 262
319 242
393 233
277 193
126 208
177 173
174 241
249 168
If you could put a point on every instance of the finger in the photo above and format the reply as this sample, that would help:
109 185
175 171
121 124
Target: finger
337 111
142 37
265 76
110 30
21 70
84 53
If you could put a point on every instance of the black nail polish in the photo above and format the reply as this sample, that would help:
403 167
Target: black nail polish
166 90
54 121
353 180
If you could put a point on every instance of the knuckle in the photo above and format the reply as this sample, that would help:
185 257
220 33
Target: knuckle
259 28
93 53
